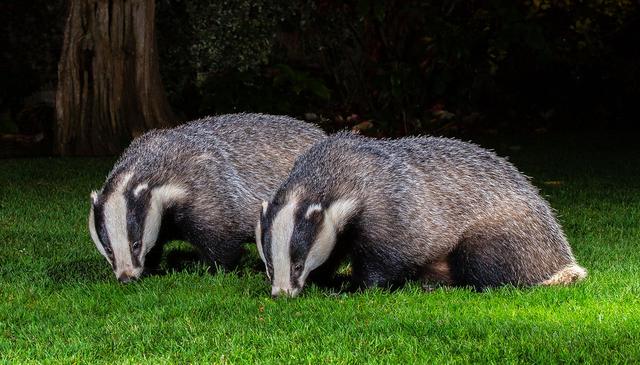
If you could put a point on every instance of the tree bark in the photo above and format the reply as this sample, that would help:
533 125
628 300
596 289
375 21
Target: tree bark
109 85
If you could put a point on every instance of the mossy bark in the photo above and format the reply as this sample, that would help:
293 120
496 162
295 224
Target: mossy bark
109 85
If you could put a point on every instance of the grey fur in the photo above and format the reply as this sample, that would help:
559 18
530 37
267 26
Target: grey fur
226 164
424 207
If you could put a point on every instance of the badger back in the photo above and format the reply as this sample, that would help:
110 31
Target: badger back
413 197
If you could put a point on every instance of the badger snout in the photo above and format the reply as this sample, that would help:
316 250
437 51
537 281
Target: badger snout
126 277
279 292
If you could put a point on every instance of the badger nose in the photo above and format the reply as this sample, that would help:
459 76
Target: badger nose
277 292
124 278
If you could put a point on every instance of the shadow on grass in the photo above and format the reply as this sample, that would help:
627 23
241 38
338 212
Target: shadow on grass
93 270
175 258
178 257
83 271
182 257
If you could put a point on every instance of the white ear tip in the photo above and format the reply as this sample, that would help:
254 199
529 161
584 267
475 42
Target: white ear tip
140 188
265 205
94 196
312 209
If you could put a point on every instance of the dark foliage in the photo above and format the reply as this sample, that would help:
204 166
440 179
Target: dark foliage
444 66
31 38
411 66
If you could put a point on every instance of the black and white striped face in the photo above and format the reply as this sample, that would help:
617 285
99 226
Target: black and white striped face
124 223
295 238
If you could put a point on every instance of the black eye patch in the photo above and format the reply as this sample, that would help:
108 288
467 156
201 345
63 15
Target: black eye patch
137 209
304 235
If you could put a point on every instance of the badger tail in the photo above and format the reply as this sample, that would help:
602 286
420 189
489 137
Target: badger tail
568 275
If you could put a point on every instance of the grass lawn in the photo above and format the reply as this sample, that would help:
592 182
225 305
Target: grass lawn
60 302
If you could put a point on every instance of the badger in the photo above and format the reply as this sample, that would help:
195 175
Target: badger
416 208
201 182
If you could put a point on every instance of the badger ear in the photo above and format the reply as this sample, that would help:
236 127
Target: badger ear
340 211
314 213
94 197
265 205
167 195
140 189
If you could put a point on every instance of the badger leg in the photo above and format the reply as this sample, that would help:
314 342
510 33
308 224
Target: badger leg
154 258
221 254
436 273
370 270
325 275
369 277
501 258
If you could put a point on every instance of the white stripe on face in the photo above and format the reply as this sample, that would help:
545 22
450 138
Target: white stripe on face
259 245
335 218
265 205
115 218
281 232
161 198
94 234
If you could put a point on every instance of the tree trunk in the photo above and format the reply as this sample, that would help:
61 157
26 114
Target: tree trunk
109 86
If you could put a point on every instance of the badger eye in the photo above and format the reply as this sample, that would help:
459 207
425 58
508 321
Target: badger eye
298 268
136 245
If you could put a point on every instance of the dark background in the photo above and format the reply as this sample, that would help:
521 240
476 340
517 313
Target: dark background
387 68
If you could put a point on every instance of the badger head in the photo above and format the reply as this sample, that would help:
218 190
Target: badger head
124 223
295 238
